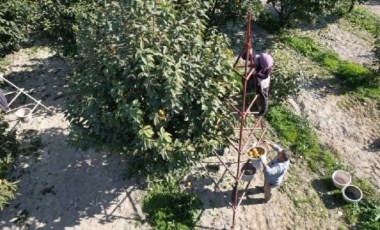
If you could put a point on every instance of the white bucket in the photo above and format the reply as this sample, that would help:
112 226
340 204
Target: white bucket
248 172
341 178
256 162
352 194
24 114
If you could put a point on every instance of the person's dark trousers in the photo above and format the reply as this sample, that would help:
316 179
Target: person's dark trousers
264 97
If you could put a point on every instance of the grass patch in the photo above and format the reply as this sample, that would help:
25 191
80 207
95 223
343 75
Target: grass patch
364 19
297 133
366 213
169 208
353 76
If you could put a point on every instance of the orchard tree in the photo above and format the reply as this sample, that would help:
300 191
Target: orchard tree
223 11
300 10
150 82
12 13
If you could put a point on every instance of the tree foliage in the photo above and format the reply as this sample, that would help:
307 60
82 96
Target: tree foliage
12 13
227 10
290 11
8 148
149 81
56 20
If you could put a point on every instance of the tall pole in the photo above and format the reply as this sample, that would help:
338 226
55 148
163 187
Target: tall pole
242 116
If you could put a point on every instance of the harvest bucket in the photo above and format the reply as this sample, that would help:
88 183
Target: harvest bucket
24 114
248 172
352 194
255 161
341 178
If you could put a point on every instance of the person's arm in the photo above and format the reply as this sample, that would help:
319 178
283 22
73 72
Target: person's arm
270 170
263 73
276 147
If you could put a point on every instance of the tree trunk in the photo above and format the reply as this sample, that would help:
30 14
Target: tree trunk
352 6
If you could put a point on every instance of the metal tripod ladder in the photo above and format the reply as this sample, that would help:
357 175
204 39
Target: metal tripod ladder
245 133
18 91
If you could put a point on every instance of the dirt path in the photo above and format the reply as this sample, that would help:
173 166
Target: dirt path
346 125
373 6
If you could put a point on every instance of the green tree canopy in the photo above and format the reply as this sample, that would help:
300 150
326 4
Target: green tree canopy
150 81
301 10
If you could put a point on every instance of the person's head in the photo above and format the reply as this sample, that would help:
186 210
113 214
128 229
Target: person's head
265 60
283 155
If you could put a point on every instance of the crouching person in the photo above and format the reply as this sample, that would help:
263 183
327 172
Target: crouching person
275 170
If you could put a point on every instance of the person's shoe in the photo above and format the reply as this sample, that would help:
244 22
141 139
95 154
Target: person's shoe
260 188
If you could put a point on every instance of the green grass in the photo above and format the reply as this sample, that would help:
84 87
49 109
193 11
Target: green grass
366 213
355 77
297 133
365 20
168 208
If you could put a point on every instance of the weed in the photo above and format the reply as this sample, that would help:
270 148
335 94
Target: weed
354 77
169 208
7 191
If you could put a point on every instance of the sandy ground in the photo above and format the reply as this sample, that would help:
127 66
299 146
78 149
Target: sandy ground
373 6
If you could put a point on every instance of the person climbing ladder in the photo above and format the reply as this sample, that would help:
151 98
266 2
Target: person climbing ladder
263 64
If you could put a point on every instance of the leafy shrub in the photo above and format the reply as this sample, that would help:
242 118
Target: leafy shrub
293 12
376 50
7 192
150 82
12 13
169 208
8 148
366 213
56 20
286 79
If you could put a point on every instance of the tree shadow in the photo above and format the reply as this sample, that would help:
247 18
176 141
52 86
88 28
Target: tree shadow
262 40
374 146
330 195
220 196
42 78
65 187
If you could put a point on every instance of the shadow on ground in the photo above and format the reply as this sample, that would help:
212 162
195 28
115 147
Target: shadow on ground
330 195
42 78
65 187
